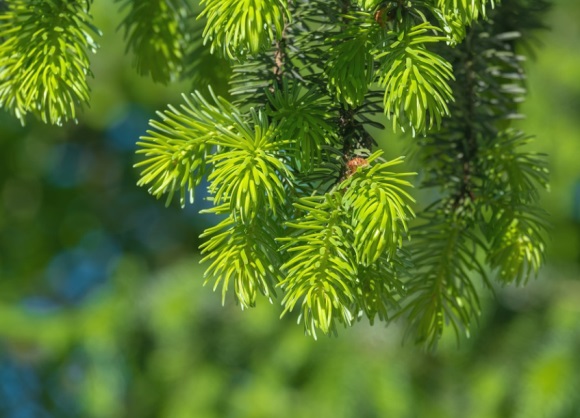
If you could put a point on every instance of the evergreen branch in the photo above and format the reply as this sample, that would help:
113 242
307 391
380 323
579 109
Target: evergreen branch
320 272
247 171
379 287
177 148
243 27
486 99
245 253
415 80
304 118
441 289
490 182
349 67
466 10
513 175
516 242
251 81
379 206
155 31
340 251
44 61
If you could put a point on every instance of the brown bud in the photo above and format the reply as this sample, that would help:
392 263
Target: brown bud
355 163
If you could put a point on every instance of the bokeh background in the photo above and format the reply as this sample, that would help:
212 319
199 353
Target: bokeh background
103 312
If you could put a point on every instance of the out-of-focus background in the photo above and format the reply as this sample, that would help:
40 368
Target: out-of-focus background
103 312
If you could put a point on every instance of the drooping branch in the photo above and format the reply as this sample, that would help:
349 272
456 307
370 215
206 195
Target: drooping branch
313 78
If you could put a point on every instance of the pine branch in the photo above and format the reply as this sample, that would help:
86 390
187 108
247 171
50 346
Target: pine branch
489 184
441 290
340 251
238 28
44 63
291 159
380 210
517 242
303 117
350 69
245 253
415 80
320 271
248 169
156 33
176 150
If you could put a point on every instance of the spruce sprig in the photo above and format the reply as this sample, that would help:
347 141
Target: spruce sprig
156 32
177 148
44 61
305 207
380 209
415 80
244 253
320 273
337 248
294 156
237 28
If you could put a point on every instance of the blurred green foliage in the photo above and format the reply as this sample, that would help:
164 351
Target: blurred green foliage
103 313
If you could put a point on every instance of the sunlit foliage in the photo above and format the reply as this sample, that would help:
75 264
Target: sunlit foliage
305 207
